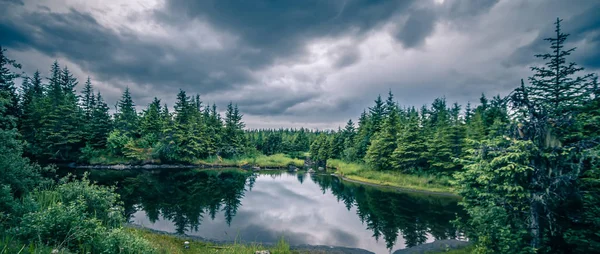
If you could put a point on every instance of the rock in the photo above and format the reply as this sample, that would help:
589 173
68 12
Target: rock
296 170
256 168
262 252
54 251
310 170
436 246
292 168
320 169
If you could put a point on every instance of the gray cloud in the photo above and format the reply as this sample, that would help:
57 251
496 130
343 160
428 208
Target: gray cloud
419 25
309 63
280 29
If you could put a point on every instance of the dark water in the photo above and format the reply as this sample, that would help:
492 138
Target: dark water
303 208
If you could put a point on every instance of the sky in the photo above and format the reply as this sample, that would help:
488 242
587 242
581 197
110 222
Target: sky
310 63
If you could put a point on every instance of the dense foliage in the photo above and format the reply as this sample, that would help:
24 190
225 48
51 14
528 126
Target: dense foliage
526 164
73 215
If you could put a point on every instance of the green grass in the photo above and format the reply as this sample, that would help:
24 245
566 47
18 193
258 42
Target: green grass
174 244
273 161
464 250
360 172
9 245
263 161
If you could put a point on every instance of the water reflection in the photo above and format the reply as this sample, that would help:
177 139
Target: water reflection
306 209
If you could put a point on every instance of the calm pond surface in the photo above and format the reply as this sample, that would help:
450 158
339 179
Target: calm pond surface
304 208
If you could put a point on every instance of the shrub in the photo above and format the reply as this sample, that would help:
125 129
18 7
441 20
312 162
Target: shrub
121 241
61 224
116 142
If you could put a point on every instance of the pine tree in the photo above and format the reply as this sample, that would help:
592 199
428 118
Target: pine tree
384 143
234 142
101 123
349 152
376 116
410 153
151 125
7 84
555 86
363 137
60 132
126 118
439 143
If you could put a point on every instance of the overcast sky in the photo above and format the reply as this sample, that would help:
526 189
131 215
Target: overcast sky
296 63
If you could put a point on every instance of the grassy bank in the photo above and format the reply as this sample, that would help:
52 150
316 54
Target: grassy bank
162 243
464 250
174 244
263 161
361 173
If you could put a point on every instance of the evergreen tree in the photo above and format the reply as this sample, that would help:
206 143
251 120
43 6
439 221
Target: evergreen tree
7 84
61 134
362 139
349 151
556 86
88 100
233 138
101 123
376 116
151 125
126 118
384 143
410 153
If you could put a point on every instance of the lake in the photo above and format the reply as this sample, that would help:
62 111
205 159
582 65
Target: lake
303 208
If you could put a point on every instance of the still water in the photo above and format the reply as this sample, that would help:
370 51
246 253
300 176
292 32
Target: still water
303 208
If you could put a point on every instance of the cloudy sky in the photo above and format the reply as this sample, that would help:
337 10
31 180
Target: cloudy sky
304 63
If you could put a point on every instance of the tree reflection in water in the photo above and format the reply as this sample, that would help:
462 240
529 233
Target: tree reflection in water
185 197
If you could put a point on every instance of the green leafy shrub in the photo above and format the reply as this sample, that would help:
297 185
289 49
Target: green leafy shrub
121 241
61 224
116 142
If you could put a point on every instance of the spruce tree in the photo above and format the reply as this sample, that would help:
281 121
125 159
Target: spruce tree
233 142
376 116
7 85
384 143
151 124
101 123
362 139
126 118
555 85
410 153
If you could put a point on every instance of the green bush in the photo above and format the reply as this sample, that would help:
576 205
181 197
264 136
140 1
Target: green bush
65 225
116 142
121 241
100 201
77 215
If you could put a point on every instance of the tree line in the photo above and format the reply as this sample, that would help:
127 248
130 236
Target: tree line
60 125
526 164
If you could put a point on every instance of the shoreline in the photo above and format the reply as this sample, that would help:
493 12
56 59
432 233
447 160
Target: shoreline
399 189
257 168
305 248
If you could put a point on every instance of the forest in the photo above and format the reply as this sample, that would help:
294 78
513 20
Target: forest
525 164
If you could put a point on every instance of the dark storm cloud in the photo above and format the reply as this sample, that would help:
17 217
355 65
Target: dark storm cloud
419 25
280 28
465 8
346 58
123 56
583 27
298 62
16 2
